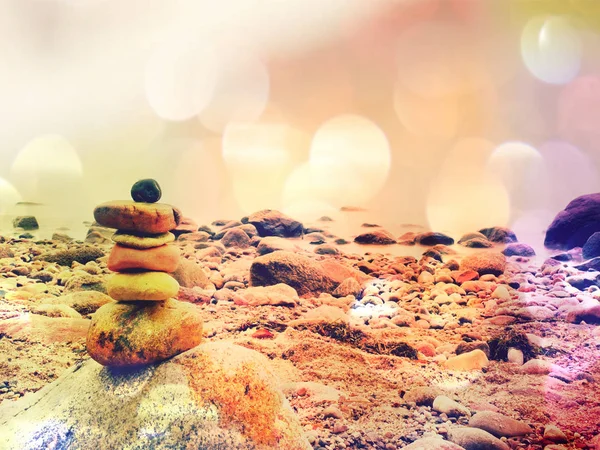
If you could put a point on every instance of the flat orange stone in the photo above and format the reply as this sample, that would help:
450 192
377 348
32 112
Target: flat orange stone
162 259
150 218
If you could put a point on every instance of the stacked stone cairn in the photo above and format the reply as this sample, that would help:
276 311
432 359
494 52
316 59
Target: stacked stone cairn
146 324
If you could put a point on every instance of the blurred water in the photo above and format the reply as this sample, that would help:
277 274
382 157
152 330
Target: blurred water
345 224
48 221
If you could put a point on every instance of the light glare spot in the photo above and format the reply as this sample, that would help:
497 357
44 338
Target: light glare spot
551 49
351 144
45 170
258 158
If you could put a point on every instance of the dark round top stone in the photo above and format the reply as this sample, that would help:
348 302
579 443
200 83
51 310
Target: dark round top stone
146 190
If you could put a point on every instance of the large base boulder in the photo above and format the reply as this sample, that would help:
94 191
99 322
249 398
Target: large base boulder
573 226
133 333
216 396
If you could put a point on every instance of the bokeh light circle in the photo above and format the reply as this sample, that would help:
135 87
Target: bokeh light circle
258 157
570 172
46 170
461 205
464 197
515 164
9 196
352 144
322 184
551 48
180 79
521 170
241 92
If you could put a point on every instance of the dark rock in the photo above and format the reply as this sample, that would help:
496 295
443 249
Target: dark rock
235 237
593 264
308 230
517 249
269 222
206 229
82 255
478 243
433 238
433 254
582 282
146 190
26 236
369 225
565 256
26 222
591 248
376 237
573 226
499 234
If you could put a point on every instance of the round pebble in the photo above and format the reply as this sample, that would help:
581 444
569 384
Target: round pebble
146 190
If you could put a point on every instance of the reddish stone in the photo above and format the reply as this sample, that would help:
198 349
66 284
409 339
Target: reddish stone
161 259
262 333
465 275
